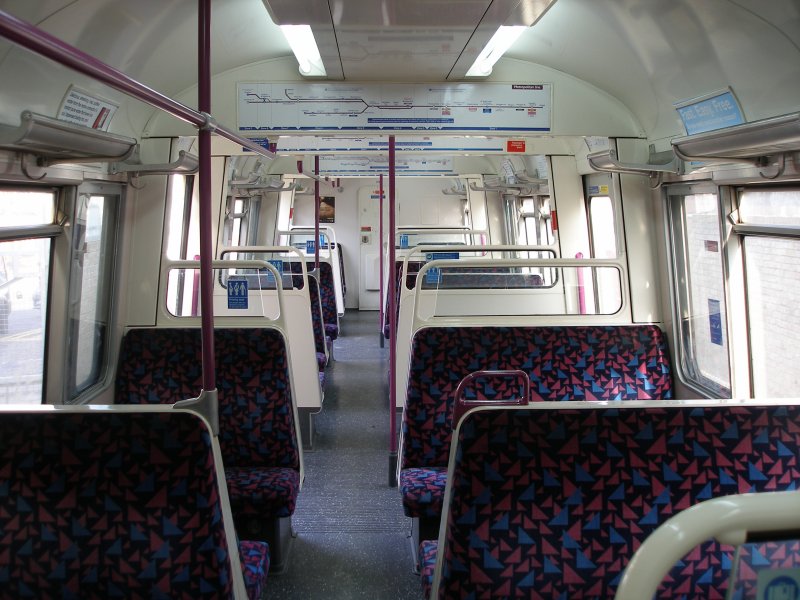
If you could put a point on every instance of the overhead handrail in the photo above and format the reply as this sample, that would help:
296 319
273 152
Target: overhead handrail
731 520
186 164
254 177
606 161
36 40
748 143
454 191
510 189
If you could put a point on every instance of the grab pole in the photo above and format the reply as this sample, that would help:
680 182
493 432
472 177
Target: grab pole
316 215
381 267
392 324
204 174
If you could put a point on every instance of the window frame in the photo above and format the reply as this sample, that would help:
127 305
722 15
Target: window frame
739 232
115 196
675 224
50 231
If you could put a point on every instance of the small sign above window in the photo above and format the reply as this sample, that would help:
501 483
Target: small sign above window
717 110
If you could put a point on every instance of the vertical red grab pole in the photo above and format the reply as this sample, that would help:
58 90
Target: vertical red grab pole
382 301
392 291
204 138
316 213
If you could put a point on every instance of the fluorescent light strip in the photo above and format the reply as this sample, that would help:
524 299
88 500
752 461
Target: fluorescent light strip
304 46
501 41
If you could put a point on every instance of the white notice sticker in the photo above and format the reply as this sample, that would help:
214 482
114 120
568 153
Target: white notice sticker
81 108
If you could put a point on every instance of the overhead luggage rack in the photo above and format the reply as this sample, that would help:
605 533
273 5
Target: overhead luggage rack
53 141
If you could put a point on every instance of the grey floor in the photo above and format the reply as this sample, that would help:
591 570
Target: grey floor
352 536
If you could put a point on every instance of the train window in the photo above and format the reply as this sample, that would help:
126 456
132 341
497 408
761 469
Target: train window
24 277
771 255
241 221
535 228
91 283
603 236
182 242
183 218
700 290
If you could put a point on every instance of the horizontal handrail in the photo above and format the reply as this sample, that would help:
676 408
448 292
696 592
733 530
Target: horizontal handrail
34 39
462 405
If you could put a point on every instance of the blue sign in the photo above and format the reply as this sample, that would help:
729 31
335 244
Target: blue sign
237 293
441 256
433 275
780 584
715 322
310 249
278 264
709 113
404 240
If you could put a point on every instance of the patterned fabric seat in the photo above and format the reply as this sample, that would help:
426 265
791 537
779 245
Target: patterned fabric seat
552 503
254 490
422 490
317 323
256 417
427 565
625 362
254 557
327 296
102 504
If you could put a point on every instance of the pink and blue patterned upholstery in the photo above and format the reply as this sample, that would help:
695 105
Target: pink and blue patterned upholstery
254 557
317 323
482 278
422 490
553 503
162 366
255 490
625 362
327 296
427 565
109 505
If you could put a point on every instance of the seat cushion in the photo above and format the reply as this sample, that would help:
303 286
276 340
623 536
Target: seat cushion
260 491
321 376
331 330
427 565
254 557
322 360
422 489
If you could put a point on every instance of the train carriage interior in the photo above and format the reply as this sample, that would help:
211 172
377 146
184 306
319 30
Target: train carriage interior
383 299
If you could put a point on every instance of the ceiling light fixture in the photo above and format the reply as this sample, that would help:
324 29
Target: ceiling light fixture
301 39
501 41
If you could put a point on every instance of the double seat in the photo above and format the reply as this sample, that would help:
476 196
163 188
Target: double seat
257 416
552 500
620 362
118 502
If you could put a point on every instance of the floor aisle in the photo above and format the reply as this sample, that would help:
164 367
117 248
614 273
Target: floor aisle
351 532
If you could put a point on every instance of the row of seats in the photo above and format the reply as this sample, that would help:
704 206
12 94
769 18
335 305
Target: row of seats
551 501
628 362
105 502
257 415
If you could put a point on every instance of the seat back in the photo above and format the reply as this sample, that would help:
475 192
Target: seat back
629 362
257 421
113 503
316 316
552 502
